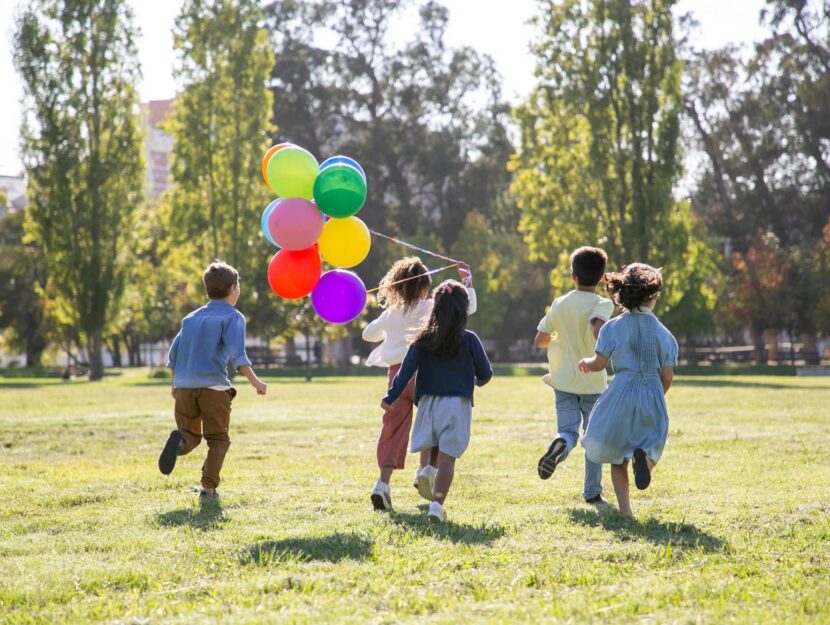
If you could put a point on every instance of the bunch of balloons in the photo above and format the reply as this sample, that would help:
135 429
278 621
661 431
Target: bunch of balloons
313 220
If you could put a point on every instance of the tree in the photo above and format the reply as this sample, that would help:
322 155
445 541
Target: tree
82 149
599 155
426 121
220 124
761 120
23 307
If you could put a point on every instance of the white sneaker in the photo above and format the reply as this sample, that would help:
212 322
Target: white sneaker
436 513
415 479
426 481
381 496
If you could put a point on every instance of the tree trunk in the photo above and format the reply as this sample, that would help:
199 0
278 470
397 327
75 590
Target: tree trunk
116 351
33 346
96 356
691 351
810 349
758 343
772 341
290 351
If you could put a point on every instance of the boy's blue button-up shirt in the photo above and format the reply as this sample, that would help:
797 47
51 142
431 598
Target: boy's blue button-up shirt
210 336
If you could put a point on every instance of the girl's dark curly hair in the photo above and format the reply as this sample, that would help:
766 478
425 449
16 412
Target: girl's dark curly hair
404 294
444 330
634 285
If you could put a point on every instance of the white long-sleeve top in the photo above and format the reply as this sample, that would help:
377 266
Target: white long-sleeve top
397 328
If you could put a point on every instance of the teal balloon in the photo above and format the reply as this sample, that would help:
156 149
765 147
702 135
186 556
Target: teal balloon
340 190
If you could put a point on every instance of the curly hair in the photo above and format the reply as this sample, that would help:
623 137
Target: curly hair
634 285
403 284
444 330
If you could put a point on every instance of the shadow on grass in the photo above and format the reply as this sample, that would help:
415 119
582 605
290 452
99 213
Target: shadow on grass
463 533
331 548
726 382
210 515
683 535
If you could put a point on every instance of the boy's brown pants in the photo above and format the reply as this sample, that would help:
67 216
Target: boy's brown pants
205 413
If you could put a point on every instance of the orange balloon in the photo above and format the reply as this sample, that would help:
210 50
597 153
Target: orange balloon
271 151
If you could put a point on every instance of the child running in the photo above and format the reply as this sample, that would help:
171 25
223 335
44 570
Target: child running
569 332
450 362
210 337
630 419
404 293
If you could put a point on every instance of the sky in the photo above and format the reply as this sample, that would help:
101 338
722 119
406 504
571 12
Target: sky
485 25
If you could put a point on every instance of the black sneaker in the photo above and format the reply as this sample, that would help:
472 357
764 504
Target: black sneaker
167 458
642 474
597 500
553 456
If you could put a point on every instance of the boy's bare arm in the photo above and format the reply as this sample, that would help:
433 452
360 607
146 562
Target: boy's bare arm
666 377
542 340
258 384
596 326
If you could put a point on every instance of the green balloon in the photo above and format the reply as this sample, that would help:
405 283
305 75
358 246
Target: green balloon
339 191
291 172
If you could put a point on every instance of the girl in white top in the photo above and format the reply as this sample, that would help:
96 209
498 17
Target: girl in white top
404 293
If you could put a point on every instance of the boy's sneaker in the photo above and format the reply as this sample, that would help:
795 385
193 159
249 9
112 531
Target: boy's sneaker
436 513
167 458
426 481
596 500
553 456
381 496
206 495
642 474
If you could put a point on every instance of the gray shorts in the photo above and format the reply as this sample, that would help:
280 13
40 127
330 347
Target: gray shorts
443 422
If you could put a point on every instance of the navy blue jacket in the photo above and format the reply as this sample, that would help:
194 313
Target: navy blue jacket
443 376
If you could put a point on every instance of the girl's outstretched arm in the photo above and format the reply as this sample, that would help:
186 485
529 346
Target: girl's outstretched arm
593 365
666 377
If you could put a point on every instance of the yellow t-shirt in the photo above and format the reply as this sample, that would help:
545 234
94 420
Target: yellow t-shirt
569 323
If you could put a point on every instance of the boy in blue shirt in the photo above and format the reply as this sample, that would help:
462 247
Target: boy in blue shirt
199 355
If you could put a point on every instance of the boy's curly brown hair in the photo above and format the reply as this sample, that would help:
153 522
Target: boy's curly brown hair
634 285
404 294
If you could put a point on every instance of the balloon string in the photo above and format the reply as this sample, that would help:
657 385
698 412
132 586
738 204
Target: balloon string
415 247
420 275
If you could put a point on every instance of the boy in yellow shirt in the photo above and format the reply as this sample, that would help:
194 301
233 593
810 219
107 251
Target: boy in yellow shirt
569 332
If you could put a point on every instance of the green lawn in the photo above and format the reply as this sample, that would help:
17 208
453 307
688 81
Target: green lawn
734 528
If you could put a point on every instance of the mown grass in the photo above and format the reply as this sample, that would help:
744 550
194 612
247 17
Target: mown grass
735 527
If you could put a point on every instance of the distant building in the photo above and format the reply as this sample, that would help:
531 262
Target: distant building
15 189
158 148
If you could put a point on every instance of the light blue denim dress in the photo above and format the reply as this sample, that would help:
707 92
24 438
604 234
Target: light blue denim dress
632 412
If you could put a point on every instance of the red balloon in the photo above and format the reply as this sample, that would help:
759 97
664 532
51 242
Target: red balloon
293 274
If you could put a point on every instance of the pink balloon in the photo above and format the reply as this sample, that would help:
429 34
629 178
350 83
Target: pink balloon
295 224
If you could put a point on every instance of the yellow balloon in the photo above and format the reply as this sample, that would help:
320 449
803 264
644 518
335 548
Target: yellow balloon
345 242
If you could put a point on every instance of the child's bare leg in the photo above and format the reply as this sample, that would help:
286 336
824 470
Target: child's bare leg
619 478
386 474
429 456
443 481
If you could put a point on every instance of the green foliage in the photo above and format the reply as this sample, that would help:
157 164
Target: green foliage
761 119
82 150
599 153
220 124
426 121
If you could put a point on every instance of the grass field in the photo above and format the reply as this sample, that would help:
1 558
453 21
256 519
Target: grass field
734 529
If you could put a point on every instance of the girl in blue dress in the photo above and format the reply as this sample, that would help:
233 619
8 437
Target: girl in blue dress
630 420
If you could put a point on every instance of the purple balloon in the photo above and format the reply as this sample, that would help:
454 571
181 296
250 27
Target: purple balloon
339 296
